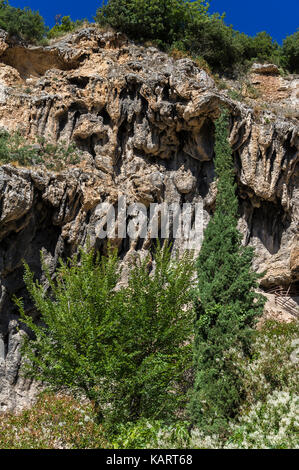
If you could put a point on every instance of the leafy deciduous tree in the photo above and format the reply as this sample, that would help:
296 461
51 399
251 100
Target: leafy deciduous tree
125 348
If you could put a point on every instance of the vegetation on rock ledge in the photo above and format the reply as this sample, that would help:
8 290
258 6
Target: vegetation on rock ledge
183 25
188 26
15 149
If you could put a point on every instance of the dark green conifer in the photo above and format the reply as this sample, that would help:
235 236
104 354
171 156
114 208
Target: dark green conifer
227 303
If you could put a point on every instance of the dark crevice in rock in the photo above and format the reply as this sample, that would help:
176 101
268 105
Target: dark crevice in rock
79 81
268 225
79 106
106 117
75 118
62 122
272 161
91 142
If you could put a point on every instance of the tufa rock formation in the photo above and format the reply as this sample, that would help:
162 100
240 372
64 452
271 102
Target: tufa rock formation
144 124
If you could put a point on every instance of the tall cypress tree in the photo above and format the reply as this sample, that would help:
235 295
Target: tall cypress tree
226 301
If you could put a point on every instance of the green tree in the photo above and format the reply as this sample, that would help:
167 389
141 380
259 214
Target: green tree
226 302
209 37
264 48
260 47
24 23
290 52
125 348
160 20
187 25
64 25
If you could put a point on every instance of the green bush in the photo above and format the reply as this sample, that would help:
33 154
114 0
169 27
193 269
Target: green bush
63 26
210 38
187 26
125 348
225 49
235 95
260 47
290 52
268 417
26 24
13 148
162 21
226 302
152 434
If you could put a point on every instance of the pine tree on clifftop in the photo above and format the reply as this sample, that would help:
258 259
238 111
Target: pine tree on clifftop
226 302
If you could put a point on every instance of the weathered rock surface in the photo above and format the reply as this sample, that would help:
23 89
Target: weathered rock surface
265 69
144 123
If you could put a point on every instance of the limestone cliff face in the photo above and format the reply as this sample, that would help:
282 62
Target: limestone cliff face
144 124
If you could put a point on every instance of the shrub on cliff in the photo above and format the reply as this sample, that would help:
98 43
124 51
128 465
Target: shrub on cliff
209 37
188 26
64 25
163 21
290 50
26 24
259 48
15 149
226 302
125 348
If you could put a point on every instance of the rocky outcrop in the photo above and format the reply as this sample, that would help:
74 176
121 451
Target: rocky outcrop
144 125
280 92
265 69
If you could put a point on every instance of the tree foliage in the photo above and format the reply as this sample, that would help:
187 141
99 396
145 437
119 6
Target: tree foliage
183 25
188 26
125 348
24 23
290 51
226 302
210 38
64 25
159 20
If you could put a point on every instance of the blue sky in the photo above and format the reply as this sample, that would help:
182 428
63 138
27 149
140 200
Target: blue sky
279 18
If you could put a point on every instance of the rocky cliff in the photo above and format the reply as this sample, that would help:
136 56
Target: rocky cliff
144 124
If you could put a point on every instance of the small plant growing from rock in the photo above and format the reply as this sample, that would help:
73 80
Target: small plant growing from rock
15 149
